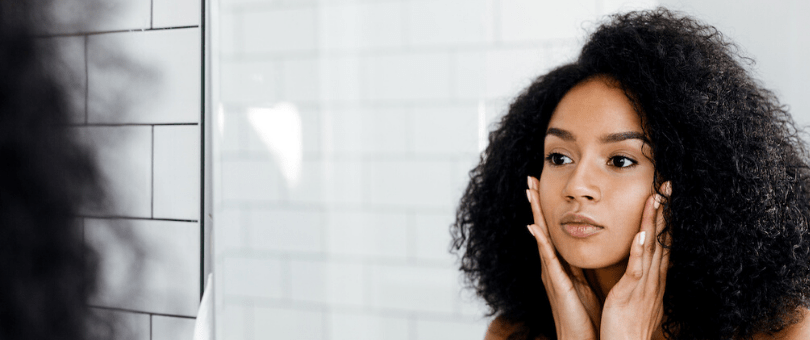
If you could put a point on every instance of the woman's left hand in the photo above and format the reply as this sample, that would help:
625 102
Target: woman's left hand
634 307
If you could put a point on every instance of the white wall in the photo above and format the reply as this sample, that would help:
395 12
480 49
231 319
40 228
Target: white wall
774 34
343 136
136 77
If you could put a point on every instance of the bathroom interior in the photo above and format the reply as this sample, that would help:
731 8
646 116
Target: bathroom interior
300 161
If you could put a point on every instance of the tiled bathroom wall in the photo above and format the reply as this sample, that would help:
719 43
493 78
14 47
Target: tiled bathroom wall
135 75
343 134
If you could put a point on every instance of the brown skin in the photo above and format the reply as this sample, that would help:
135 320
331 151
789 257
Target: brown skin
596 218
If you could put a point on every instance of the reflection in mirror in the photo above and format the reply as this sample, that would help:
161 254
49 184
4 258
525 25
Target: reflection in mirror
344 136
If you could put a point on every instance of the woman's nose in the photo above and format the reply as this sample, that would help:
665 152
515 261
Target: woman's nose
582 184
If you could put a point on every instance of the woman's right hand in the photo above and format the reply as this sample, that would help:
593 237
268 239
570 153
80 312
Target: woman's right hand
574 305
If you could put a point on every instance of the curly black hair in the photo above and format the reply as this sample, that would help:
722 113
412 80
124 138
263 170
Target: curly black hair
739 209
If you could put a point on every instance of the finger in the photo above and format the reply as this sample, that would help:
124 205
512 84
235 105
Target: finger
662 272
655 264
533 194
548 253
635 271
648 227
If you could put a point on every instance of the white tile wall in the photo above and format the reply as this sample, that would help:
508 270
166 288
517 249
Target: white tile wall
363 25
172 328
284 323
350 326
177 172
133 76
394 100
124 154
144 77
174 13
169 281
279 30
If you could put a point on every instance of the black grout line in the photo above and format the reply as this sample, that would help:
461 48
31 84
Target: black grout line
137 218
152 14
203 84
131 124
116 309
150 326
152 197
78 34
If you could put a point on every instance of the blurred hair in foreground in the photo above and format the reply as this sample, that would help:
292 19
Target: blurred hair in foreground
47 178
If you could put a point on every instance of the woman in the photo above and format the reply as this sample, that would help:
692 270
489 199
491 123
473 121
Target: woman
667 197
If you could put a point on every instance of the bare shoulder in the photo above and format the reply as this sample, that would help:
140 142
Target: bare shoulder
501 329
799 330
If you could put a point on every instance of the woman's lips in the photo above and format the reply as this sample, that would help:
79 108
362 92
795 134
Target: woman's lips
578 225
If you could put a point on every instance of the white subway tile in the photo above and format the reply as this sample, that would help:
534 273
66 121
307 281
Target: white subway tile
251 180
74 16
449 22
529 20
351 326
177 172
415 289
250 83
296 230
415 76
562 53
433 237
354 26
469 75
234 322
623 6
144 77
172 328
470 305
230 41
301 80
124 155
164 278
340 79
509 71
253 277
70 71
343 182
285 323
127 325
229 230
370 234
386 131
343 131
256 131
433 329
309 186
280 30
411 183
231 130
175 13
327 282
445 130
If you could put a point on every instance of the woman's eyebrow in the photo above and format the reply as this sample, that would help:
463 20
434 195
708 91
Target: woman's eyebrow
562 134
618 137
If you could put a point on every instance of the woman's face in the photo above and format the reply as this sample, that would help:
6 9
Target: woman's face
597 175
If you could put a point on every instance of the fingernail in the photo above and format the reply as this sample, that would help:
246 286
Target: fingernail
529 195
657 202
530 229
529 181
667 188
642 237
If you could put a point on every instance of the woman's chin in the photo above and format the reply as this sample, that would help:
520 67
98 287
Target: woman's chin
594 259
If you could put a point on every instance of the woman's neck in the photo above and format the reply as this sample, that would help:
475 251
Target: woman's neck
602 280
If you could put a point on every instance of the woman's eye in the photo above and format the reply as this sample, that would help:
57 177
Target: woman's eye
558 159
621 162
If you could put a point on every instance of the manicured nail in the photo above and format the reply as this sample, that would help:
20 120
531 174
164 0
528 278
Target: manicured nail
656 201
642 237
530 229
529 195
529 181
667 188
